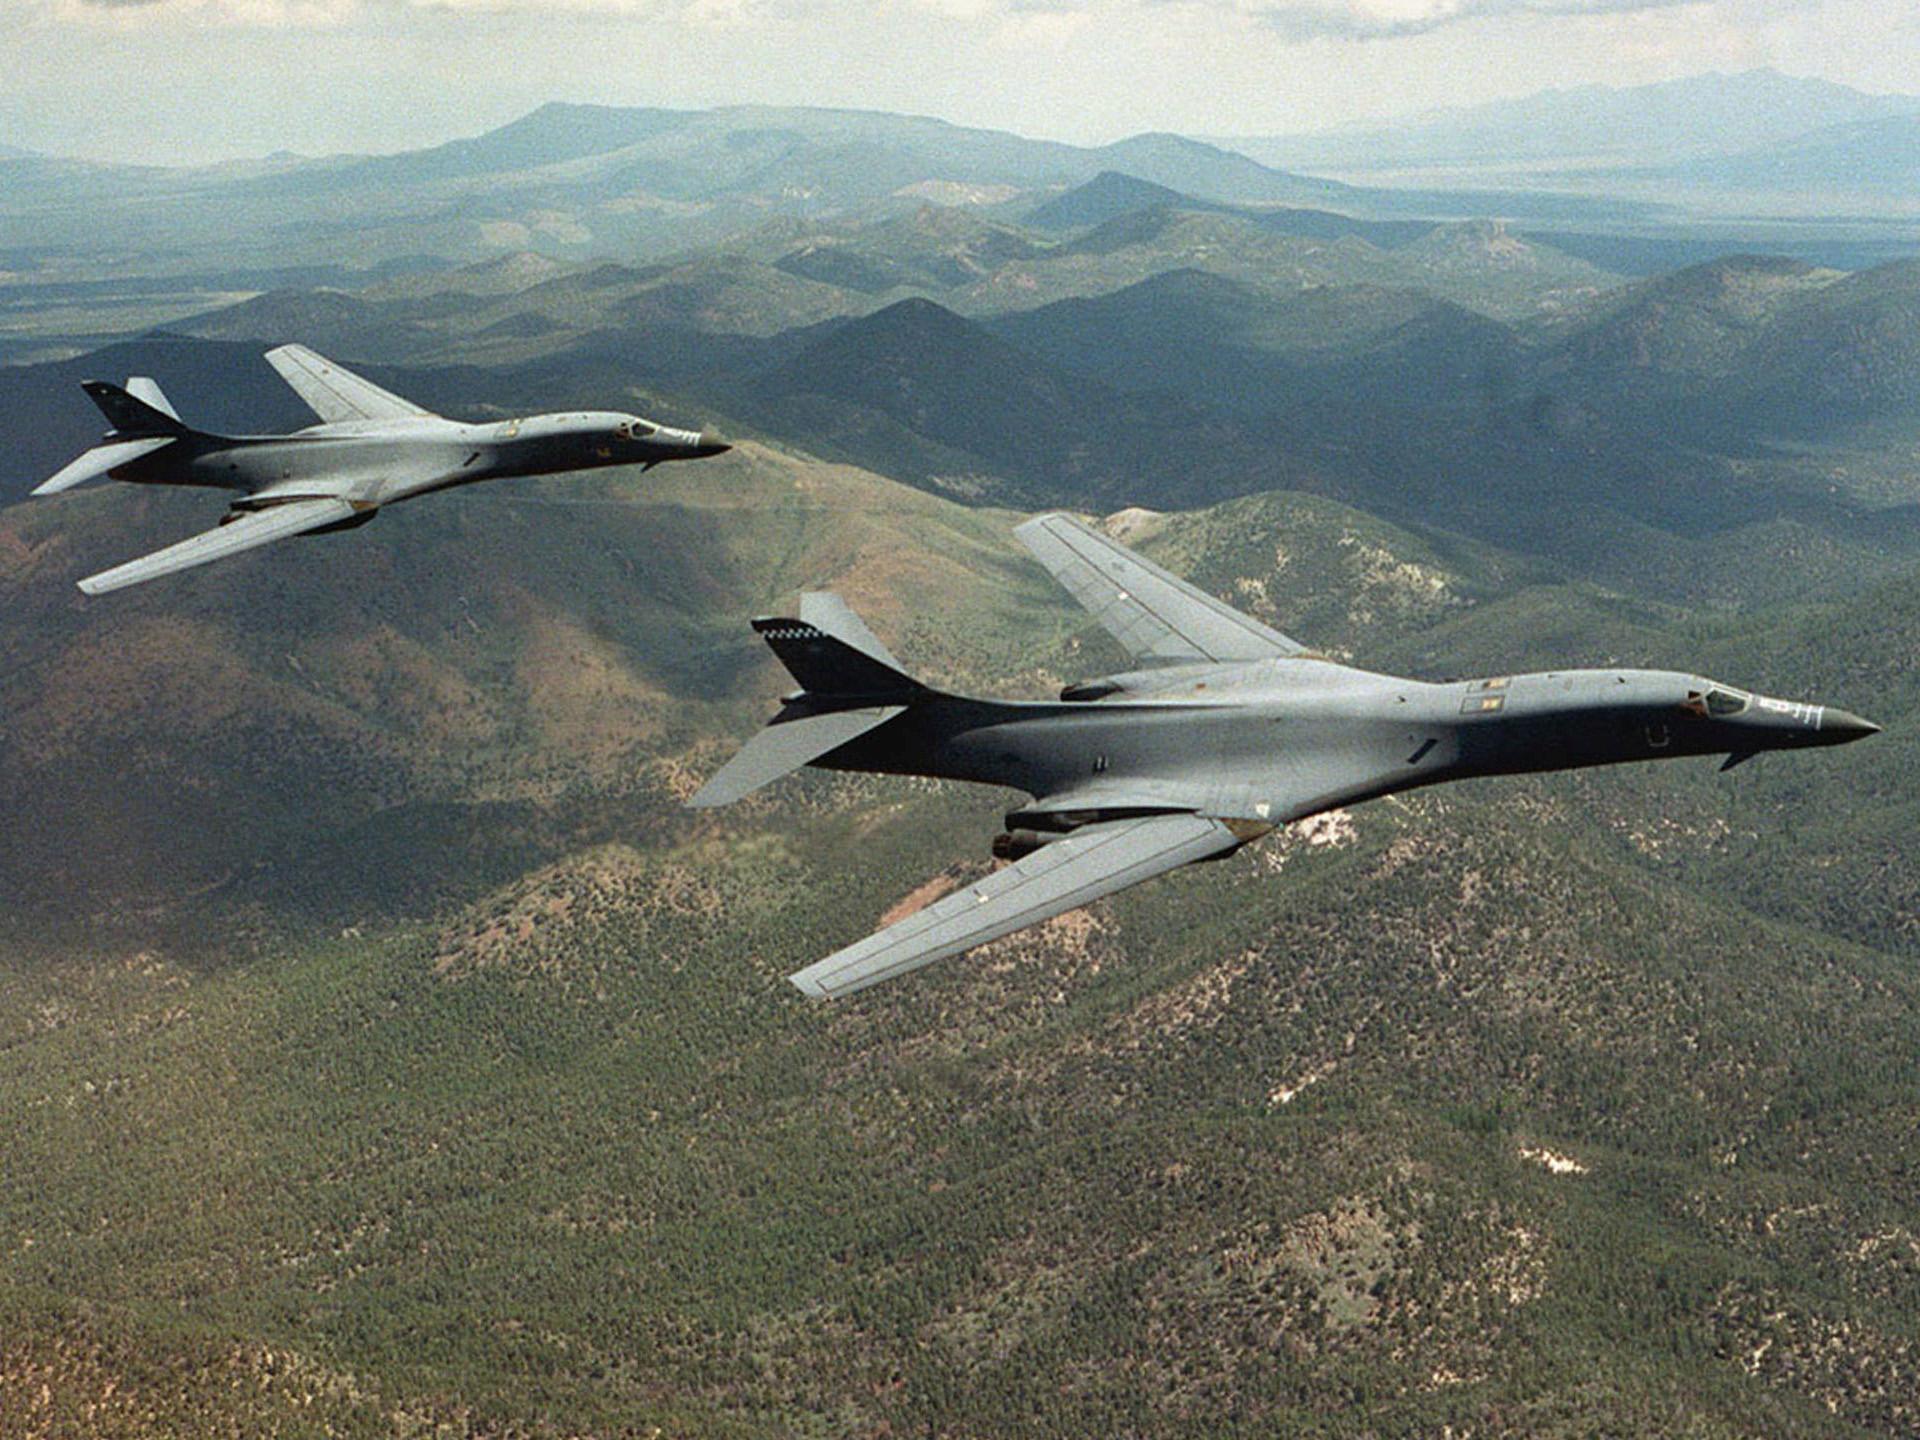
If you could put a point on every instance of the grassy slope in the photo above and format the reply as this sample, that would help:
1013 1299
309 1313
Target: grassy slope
1232 1153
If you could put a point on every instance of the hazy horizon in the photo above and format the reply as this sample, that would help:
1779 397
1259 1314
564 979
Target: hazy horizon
111 79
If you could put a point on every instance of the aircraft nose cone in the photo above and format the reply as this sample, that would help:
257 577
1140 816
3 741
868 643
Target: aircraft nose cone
1846 725
709 444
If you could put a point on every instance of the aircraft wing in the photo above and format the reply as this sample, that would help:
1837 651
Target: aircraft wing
1156 617
1076 870
335 394
258 527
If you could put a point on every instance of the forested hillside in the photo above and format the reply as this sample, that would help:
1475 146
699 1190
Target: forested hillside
385 1048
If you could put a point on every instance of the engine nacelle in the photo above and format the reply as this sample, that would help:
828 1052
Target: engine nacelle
1018 844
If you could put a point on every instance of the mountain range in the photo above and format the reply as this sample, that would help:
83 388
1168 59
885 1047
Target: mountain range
585 181
1717 129
580 179
384 1048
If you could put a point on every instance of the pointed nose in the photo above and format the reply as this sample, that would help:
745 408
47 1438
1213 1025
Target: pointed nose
1844 726
669 444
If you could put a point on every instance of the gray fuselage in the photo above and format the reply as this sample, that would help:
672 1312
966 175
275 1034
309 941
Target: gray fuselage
1276 740
379 462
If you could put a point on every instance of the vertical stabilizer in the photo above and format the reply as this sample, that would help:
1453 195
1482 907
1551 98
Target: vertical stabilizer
148 392
130 415
850 684
834 656
826 611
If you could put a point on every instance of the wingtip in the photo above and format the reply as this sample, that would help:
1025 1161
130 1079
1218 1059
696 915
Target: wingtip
803 981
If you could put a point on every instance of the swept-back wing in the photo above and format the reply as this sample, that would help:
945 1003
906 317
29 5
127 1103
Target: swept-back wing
261 527
1157 617
1074 871
334 394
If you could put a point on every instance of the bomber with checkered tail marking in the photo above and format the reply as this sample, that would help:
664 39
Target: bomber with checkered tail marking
1226 730
371 449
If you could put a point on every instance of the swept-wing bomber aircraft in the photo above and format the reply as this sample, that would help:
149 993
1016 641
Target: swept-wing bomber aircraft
372 448
1226 730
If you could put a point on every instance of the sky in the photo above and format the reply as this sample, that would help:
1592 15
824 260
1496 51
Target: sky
171 81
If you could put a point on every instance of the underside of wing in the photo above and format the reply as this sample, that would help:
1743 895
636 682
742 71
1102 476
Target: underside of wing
1156 617
784 746
260 527
337 395
1073 871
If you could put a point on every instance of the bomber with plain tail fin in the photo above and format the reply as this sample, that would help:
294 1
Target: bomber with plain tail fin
371 449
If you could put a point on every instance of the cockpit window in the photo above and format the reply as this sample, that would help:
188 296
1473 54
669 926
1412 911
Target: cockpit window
634 429
1726 702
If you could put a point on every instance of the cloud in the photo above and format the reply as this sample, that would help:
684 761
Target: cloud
308 14
261 14
629 9
1392 19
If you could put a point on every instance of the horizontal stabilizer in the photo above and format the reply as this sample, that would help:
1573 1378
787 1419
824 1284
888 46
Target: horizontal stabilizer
1093 861
256 527
786 745
99 461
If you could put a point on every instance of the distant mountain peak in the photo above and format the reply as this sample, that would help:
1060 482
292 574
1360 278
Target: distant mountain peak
1110 194
1588 126
1166 138
917 313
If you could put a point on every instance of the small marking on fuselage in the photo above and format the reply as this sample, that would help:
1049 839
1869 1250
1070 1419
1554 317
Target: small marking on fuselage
1417 756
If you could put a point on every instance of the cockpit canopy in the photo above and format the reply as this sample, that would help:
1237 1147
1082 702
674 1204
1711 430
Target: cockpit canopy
635 429
1717 701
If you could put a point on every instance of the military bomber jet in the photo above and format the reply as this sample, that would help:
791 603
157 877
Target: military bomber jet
371 449
1227 730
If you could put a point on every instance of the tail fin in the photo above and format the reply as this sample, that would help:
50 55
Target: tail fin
833 655
147 390
850 684
130 414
